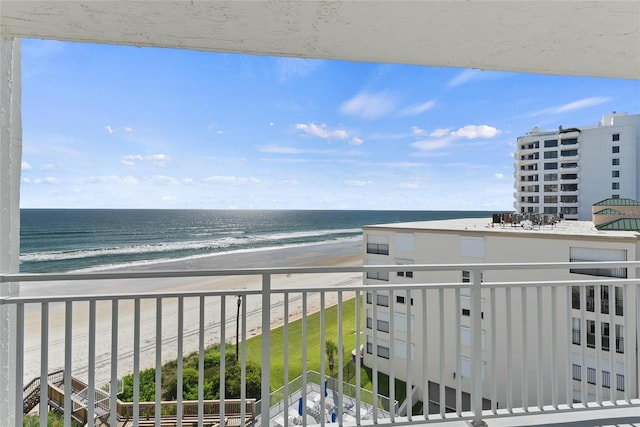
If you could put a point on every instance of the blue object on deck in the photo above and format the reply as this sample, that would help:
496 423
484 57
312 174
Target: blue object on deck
325 388
333 417
300 406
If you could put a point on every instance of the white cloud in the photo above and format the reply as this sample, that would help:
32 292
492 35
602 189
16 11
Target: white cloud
357 183
369 106
444 137
321 131
432 144
128 129
26 181
439 133
48 180
48 167
499 175
283 149
417 131
157 160
355 141
25 166
230 180
464 77
474 131
410 185
403 165
163 180
187 181
414 110
111 179
280 149
575 105
271 124
109 129
288 182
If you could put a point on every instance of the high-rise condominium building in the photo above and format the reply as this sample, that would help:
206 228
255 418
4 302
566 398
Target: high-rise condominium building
564 172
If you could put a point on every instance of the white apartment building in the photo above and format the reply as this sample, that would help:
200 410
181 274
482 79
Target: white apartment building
531 336
564 172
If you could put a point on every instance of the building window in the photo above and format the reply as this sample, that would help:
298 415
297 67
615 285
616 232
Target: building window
569 153
551 199
550 176
466 276
377 244
550 154
615 196
576 372
569 176
575 331
615 185
615 149
615 137
378 248
550 188
569 141
619 382
382 350
465 305
382 298
615 174
378 275
550 143
568 187
577 254
551 166
408 274
615 162
551 210
382 322
401 299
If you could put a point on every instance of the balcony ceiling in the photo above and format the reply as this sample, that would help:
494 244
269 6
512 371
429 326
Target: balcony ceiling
595 38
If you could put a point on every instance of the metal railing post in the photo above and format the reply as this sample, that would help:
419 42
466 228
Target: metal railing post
476 348
265 404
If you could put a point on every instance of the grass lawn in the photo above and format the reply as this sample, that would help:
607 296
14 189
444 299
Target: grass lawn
314 354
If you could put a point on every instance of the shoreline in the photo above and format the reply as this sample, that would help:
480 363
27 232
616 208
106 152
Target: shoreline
323 254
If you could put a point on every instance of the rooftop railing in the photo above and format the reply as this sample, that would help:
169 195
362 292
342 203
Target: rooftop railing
468 351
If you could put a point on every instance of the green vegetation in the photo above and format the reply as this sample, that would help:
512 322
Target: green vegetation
54 419
254 362
190 374
314 348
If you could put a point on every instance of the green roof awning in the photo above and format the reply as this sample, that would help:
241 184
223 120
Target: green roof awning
617 202
621 224
608 211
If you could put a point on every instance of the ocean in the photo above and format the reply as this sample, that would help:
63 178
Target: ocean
64 240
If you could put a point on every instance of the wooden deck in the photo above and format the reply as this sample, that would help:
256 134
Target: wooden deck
125 410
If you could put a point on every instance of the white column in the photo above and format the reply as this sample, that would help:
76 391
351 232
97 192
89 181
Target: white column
10 160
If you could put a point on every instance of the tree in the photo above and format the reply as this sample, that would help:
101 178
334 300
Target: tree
331 349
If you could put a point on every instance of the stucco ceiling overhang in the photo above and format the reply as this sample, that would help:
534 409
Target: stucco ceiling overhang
595 38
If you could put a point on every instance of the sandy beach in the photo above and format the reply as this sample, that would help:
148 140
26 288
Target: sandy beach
327 254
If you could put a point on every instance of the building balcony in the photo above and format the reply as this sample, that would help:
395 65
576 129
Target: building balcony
79 339
528 160
568 168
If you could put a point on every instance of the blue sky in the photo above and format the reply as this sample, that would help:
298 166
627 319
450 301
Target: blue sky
125 127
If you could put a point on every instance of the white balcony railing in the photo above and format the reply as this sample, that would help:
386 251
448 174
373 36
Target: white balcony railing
476 350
